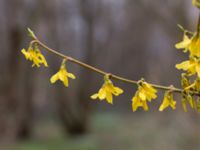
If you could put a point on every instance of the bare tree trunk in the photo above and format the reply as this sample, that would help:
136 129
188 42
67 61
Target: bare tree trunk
15 107
76 119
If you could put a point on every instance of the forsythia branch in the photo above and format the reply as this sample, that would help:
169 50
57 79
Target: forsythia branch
146 92
113 76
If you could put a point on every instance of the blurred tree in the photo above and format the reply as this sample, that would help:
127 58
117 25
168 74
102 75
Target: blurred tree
16 91
77 123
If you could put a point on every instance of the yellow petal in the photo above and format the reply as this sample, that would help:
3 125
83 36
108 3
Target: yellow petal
54 78
102 94
66 82
117 91
184 65
107 91
62 75
26 54
185 82
35 63
70 75
183 44
142 95
198 69
191 101
168 101
164 104
42 60
173 104
135 103
94 96
147 87
108 85
184 104
145 106
195 46
150 96
196 3
198 105
109 98
147 92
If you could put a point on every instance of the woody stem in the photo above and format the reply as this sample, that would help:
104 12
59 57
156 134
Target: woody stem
113 76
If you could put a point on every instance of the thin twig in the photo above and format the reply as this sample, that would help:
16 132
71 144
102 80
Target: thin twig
113 76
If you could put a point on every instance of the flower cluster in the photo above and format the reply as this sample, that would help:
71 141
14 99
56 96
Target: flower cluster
34 55
146 93
191 78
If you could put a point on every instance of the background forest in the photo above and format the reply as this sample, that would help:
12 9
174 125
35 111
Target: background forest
131 38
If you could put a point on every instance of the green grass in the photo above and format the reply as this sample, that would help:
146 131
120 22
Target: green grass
59 144
110 131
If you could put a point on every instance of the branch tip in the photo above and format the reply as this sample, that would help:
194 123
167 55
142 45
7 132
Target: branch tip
31 33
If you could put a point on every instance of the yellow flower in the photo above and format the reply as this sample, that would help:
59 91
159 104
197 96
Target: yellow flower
195 86
192 66
196 3
185 82
107 91
197 105
35 56
144 93
138 102
168 101
62 75
195 45
192 44
187 98
184 44
184 103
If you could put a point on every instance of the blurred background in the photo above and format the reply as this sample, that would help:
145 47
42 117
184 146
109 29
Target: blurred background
130 38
